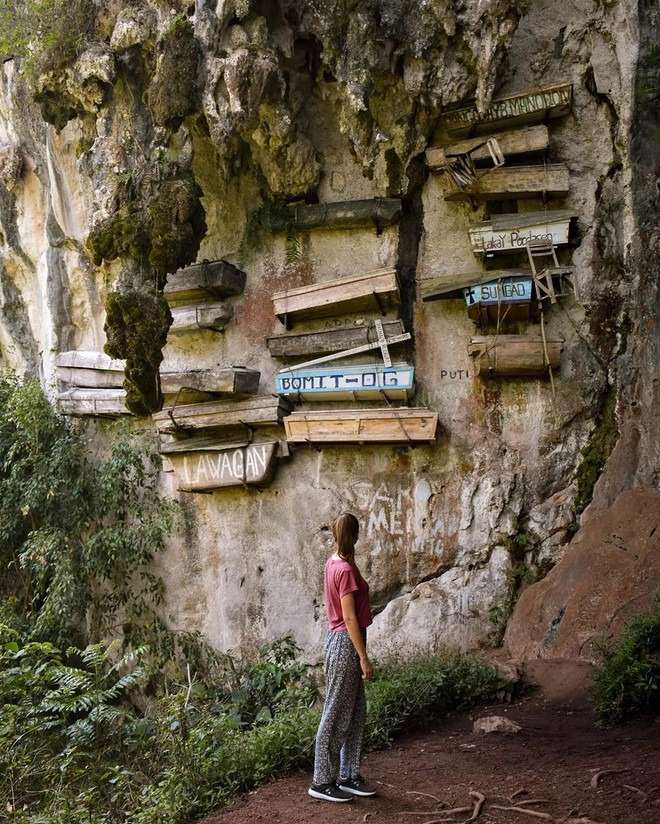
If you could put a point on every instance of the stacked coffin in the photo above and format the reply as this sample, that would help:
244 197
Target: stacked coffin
196 294
500 155
91 383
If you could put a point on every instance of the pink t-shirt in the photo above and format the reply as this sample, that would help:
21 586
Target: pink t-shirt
340 579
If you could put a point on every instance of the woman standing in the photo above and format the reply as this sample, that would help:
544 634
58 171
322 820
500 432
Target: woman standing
341 731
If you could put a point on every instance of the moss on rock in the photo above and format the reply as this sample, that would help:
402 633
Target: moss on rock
136 327
175 88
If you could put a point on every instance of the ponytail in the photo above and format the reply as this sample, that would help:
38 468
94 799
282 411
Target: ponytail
345 530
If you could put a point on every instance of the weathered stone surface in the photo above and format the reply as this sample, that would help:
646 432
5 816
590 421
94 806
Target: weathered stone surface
610 572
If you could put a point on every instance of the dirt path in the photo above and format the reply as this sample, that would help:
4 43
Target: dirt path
560 767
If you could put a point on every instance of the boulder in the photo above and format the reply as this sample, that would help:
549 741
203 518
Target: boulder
609 572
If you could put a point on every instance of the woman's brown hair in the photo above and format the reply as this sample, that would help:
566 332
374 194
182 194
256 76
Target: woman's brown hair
345 530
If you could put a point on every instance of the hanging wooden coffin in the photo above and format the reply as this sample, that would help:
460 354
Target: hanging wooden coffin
402 425
330 340
512 232
350 214
93 370
374 291
507 299
214 316
102 403
451 287
365 382
531 106
209 279
514 355
517 182
247 465
527 141
261 410
235 380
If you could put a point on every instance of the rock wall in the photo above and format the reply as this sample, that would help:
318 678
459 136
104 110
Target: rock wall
176 135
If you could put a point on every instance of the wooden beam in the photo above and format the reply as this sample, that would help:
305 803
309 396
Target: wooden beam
213 316
373 291
235 380
530 106
214 278
514 142
516 182
329 340
401 425
350 214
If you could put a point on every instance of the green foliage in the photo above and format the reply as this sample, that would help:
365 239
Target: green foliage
76 537
412 694
45 34
627 681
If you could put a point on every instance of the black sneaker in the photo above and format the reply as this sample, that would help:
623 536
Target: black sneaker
356 786
329 792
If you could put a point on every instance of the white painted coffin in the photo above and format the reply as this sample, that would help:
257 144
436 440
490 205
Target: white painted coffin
205 470
512 232
335 382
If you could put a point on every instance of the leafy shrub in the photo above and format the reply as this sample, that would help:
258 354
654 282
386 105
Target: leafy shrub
627 681
411 694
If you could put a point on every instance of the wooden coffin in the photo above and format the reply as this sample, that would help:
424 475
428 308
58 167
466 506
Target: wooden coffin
517 182
330 340
514 355
402 425
261 410
350 214
531 106
451 287
213 316
374 291
512 232
361 383
102 403
208 279
93 370
235 380
533 139
229 465
504 300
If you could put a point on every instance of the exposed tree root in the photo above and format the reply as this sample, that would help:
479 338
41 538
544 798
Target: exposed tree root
595 778
642 794
523 810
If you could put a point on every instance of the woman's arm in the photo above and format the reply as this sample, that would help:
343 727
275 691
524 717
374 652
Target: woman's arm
355 634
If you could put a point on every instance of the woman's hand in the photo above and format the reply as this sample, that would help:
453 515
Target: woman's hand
367 669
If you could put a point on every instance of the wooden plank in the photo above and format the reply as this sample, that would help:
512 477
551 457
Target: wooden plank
249 465
489 237
292 345
517 182
213 316
373 291
512 143
176 445
530 106
103 403
364 382
514 355
401 425
215 278
261 410
451 288
235 380
350 214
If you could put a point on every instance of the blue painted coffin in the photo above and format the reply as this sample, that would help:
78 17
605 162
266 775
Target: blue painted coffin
507 290
335 382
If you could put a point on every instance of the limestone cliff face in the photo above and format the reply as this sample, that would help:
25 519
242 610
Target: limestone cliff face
175 135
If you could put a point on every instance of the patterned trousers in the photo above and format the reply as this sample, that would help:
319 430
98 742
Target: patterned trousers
341 731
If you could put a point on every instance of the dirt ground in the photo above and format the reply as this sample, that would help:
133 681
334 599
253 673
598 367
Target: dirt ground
560 767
